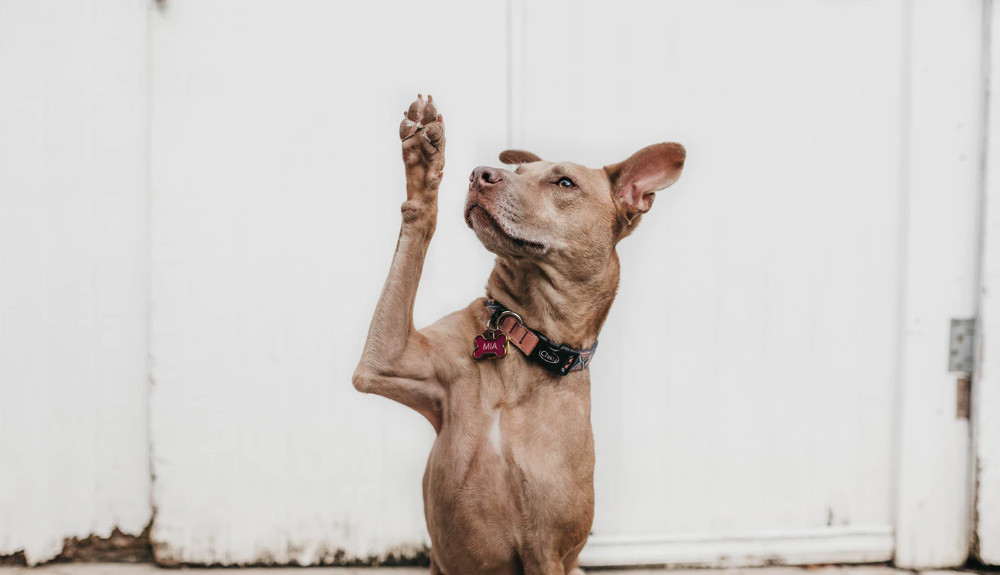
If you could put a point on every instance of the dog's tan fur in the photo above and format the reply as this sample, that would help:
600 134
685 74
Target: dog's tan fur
509 483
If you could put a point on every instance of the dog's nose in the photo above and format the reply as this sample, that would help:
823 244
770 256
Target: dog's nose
484 175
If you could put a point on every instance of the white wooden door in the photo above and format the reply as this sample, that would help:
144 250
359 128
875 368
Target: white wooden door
795 286
986 398
764 427
797 408
74 452
276 185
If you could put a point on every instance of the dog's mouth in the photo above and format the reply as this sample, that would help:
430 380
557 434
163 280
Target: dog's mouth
476 213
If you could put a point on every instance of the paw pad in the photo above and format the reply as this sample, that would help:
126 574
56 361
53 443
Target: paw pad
422 118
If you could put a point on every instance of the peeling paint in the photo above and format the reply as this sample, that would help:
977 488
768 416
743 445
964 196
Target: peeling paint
118 547
17 559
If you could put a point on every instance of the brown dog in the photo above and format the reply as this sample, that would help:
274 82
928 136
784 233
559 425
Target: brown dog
509 485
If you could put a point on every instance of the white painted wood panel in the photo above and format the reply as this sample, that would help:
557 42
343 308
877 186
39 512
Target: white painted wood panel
277 181
73 273
986 397
941 238
747 373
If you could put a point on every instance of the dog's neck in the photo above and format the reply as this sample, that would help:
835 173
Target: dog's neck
567 308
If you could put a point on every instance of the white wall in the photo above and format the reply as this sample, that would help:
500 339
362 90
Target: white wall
799 277
74 456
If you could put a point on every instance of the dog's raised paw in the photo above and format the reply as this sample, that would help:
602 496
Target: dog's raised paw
422 113
422 133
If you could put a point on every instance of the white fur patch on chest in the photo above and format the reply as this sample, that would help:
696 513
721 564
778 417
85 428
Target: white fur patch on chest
494 435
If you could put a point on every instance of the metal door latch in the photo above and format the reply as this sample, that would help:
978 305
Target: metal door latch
961 355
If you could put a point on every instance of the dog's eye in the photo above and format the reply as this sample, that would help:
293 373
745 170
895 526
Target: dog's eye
565 182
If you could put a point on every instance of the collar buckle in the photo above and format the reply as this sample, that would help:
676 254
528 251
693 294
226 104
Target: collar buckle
557 358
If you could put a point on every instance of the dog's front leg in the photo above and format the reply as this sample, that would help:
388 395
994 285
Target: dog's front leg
397 361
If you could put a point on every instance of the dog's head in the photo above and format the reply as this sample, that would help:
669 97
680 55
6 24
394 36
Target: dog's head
565 211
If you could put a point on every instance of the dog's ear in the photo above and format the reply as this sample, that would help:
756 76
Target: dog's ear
518 157
635 181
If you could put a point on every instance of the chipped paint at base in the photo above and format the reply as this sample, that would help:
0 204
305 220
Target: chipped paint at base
118 547
400 556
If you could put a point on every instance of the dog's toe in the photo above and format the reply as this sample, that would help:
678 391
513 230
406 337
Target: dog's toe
407 128
434 130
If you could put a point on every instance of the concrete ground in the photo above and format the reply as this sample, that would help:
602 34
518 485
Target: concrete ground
148 569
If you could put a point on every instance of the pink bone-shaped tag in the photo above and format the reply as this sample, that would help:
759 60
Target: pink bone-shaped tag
486 347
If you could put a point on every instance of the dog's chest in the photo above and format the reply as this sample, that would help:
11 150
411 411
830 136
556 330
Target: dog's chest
515 448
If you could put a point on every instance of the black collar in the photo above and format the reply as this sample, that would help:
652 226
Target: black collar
557 358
